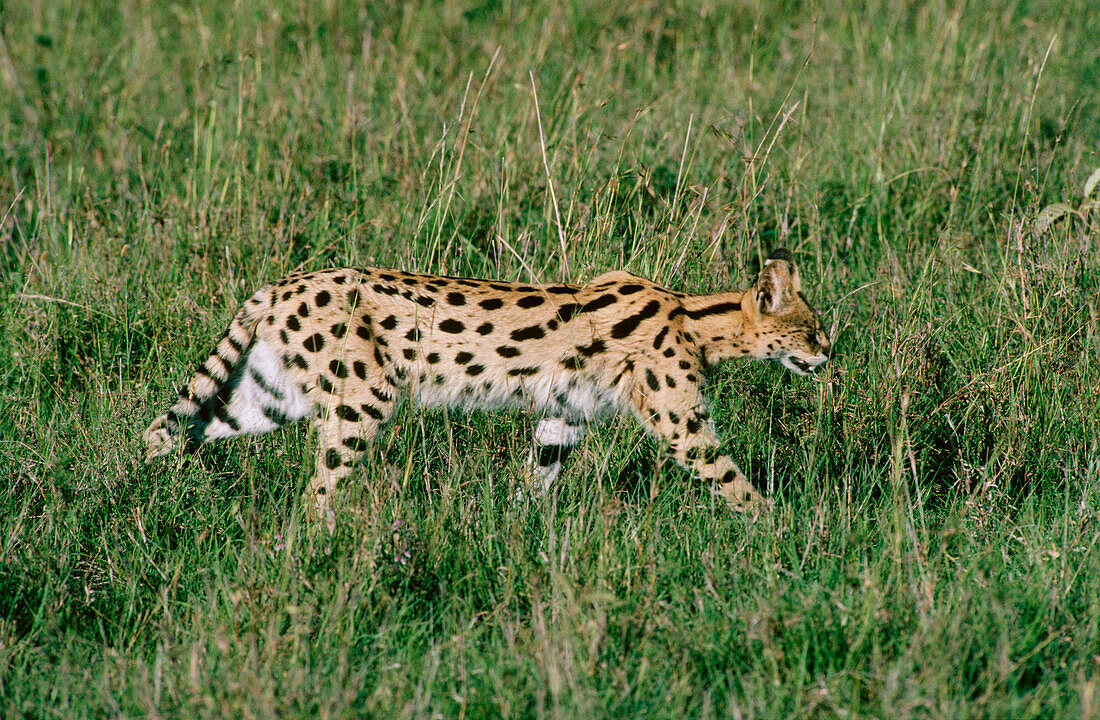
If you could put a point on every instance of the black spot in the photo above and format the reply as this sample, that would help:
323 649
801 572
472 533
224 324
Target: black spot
573 362
456 298
222 413
275 415
439 379
264 385
484 328
338 369
270 319
363 331
284 337
628 325
475 369
508 351
314 343
669 381
693 425
628 366
501 288
566 312
383 289
685 365
491 304
387 277
287 295
690 378
238 348
296 361
389 323
673 418
384 397
325 384
523 371
552 323
303 310
413 335
339 330
716 309
378 359
346 412
292 323
333 459
599 303
432 358
534 332
371 411
425 301
630 289
463 357
356 444
530 301
669 352
657 341
651 380
729 477
452 326
553 454
560 290
360 369
340 279
596 347
409 353
322 298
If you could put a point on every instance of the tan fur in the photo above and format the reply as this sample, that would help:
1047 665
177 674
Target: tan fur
351 342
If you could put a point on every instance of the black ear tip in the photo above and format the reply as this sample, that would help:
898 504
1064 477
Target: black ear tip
781 253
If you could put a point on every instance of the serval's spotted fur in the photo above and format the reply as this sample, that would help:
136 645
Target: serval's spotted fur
343 346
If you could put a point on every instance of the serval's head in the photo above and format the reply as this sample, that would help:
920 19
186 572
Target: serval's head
780 323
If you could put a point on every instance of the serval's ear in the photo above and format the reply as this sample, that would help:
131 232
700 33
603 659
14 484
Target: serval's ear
777 281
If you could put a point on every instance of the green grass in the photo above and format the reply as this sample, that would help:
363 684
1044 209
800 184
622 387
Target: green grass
933 550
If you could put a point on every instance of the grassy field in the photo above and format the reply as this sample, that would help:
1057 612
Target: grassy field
933 548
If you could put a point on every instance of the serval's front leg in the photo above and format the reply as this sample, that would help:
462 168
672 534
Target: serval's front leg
684 427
